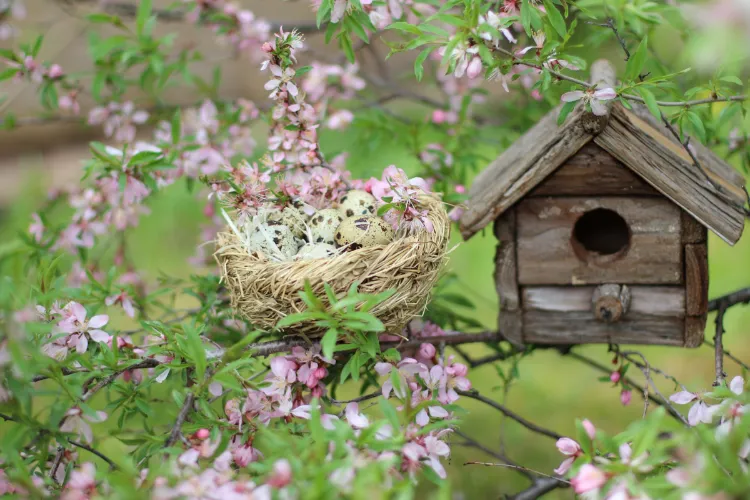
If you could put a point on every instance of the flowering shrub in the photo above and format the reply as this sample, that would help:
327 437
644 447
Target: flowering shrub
208 406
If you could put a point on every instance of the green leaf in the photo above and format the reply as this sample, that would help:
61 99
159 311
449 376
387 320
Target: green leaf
650 101
637 60
144 12
293 319
731 79
402 26
328 342
526 16
390 412
323 10
346 46
555 18
565 111
697 125
419 62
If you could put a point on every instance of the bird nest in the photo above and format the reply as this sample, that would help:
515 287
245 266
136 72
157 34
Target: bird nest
263 290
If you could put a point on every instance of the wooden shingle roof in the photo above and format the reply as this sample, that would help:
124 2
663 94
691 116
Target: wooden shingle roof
714 193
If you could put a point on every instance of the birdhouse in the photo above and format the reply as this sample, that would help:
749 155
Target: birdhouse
601 225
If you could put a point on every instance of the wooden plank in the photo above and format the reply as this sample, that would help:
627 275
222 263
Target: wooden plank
692 230
510 325
593 172
506 279
665 164
546 327
546 254
696 279
695 329
525 164
663 301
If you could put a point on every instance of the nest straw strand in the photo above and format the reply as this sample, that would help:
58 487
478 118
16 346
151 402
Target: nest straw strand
264 291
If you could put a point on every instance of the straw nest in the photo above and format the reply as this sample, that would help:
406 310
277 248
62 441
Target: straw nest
264 291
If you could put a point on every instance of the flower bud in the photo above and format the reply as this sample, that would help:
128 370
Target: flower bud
615 377
426 351
475 68
460 188
55 71
202 434
266 47
460 369
625 397
589 428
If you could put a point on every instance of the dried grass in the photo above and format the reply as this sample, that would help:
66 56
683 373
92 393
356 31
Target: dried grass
264 291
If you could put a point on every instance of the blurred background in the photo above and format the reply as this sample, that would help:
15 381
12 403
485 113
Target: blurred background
552 389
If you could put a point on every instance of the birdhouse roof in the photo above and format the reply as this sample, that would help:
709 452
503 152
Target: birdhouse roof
712 192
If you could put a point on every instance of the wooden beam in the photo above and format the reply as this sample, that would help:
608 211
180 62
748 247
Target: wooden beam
663 301
696 279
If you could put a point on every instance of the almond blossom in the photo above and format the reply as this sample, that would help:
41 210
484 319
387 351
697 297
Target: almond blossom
593 97
589 479
570 448
77 422
699 412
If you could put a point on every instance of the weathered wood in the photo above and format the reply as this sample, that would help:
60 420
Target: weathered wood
696 279
544 327
610 302
510 325
546 254
521 167
603 76
506 280
695 329
692 230
668 167
593 172
645 300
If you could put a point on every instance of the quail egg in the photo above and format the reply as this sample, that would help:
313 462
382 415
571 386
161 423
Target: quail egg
315 251
357 202
323 225
291 218
363 231
274 240
303 208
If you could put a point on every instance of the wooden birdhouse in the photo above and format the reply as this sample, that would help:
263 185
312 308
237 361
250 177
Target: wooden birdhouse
601 223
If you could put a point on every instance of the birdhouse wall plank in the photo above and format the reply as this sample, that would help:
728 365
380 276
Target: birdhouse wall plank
692 230
580 327
664 301
506 277
696 279
546 253
593 172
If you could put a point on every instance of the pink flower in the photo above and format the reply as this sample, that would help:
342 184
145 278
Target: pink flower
355 419
82 481
36 228
76 324
589 428
76 421
124 300
594 98
539 39
699 412
589 478
625 396
475 68
570 448
615 377
460 188
282 375
281 474
55 71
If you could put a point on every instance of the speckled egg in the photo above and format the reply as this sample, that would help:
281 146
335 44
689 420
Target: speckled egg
363 231
315 251
323 225
357 202
303 208
274 240
291 218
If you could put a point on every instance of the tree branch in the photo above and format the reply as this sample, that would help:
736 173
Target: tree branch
177 427
146 363
541 486
473 394
719 348
611 25
470 442
99 454
741 296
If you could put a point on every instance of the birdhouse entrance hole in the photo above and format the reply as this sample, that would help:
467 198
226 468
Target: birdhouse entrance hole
600 235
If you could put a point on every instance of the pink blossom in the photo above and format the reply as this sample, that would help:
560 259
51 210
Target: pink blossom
281 474
539 39
55 72
76 324
589 428
615 377
82 482
625 396
570 448
594 98
282 374
36 228
356 419
124 300
75 421
589 478
699 412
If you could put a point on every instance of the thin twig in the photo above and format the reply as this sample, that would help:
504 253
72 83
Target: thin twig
729 355
491 464
611 25
177 427
146 363
539 488
56 463
366 397
473 443
473 394
99 454
719 349
598 366
741 296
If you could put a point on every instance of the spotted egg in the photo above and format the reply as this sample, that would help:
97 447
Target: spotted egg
363 231
274 240
291 218
323 225
315 251
357 202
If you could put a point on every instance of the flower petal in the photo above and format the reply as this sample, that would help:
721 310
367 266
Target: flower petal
737 385
98 321
682 397
575 95
605 94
